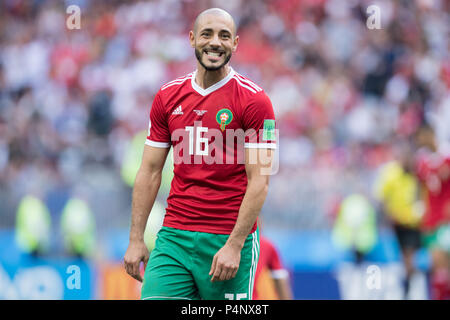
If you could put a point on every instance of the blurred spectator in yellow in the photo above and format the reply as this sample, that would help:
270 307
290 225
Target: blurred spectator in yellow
78 228
33 226
355 227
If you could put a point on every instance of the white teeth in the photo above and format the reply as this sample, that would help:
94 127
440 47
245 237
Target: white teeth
214 54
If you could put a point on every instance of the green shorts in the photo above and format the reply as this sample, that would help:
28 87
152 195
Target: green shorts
179 267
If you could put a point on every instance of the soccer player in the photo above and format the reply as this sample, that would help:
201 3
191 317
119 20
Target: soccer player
208 246
434 172
271 279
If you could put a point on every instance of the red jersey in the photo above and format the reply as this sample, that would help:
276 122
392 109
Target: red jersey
206 129
434 171
269 261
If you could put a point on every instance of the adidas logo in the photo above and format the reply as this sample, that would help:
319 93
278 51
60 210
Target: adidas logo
178 110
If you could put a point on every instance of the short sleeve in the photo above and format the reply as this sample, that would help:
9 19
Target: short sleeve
259 123
276 267
158 134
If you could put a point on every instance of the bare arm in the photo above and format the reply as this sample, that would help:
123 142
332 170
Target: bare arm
283 288
146 186
226 261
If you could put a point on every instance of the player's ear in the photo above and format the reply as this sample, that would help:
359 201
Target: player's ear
235 43
192 38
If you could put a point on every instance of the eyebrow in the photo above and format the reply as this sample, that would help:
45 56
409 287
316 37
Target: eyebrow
211 30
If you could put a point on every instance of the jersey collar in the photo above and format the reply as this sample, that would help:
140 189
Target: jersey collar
214 87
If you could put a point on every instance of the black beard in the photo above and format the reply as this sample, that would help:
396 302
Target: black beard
198 55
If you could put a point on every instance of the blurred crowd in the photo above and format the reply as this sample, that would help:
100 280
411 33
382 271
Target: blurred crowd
72 100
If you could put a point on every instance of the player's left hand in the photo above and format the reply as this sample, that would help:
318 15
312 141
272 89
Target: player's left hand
225 263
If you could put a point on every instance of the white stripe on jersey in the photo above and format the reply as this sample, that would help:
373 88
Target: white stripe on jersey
260 145
157 144
179 78
243 85
280 274
176 82
251 83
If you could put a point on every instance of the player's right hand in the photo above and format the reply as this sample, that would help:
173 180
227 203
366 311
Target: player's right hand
137 251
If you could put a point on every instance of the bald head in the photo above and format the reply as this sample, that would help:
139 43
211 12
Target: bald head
214 39
214 12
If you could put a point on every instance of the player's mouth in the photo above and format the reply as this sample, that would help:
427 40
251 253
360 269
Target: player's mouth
213 55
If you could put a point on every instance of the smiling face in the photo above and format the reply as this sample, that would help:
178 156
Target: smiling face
214 39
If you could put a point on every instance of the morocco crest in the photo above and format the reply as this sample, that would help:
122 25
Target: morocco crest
223 118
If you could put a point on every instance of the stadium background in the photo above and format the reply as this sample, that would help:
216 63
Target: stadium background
72 101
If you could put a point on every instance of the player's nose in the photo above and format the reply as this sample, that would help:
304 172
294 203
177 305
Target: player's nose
215 41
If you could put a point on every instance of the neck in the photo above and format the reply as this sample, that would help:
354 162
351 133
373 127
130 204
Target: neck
205 78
